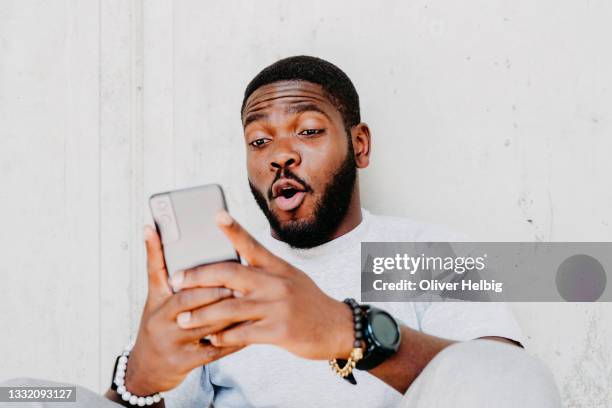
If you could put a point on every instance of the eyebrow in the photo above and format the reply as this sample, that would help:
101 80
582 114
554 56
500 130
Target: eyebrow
292 109
306 107
254 117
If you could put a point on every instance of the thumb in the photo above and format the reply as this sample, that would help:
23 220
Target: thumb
247 246
159 289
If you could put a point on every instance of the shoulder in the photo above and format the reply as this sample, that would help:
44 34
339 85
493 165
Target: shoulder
393 228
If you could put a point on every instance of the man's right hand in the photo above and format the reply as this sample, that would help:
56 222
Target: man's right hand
165 353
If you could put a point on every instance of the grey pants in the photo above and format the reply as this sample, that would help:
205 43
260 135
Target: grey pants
474 374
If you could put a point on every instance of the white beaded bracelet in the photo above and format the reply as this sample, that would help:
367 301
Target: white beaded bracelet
119 381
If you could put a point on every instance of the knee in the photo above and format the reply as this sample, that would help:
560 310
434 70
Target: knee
28 382
19 382
490 357
499 374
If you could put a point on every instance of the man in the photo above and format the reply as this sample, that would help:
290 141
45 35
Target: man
273 324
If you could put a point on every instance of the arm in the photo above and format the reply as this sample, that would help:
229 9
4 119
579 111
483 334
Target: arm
416 350
164 354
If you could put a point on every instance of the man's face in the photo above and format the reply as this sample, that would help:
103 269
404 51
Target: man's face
300 161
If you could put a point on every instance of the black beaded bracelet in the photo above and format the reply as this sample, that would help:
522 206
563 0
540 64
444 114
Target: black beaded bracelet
357 344
357 316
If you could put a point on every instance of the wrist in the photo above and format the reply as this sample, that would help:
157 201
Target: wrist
136 385
124 384
344 333
382 337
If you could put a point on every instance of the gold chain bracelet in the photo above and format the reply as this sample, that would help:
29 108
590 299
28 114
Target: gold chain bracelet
356 355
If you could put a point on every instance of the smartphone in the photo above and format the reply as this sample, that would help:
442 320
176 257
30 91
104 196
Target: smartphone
185 221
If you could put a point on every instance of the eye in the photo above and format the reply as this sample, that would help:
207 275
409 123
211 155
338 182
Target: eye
311 132
259 142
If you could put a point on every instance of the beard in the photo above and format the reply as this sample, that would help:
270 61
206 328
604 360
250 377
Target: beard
328 213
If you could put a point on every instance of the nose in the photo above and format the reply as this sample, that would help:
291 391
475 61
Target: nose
284 156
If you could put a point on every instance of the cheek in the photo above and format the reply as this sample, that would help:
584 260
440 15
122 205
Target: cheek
255 169
322 162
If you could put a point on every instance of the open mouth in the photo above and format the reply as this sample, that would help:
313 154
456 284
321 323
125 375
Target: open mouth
288 194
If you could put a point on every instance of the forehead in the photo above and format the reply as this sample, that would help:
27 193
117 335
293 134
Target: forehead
283 93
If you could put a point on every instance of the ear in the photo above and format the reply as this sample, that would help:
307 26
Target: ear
362 144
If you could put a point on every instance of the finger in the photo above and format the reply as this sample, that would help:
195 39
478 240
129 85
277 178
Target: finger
243 334
200 354
198 333
222 314
231 275
156 265
247 246
193 298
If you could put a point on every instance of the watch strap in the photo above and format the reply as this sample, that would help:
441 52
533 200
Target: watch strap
372 359
113 385
350 378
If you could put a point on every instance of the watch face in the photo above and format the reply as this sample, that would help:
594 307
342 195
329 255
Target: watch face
384 329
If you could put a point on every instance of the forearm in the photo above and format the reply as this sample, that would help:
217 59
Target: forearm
416 350
113 396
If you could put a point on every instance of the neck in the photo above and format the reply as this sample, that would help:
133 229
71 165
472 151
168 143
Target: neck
352 217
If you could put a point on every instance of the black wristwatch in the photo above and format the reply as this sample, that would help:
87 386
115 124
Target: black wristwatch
382 337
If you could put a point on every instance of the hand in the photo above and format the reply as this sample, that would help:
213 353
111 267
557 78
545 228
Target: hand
164 353
275 303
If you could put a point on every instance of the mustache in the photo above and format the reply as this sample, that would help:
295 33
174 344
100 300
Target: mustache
286 173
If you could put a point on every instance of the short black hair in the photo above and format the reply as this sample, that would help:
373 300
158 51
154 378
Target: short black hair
336 84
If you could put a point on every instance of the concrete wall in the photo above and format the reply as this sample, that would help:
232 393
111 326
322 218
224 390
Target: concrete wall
491 117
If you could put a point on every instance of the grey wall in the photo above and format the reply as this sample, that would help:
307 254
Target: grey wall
491 117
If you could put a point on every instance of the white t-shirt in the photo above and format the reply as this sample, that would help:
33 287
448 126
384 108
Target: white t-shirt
267 376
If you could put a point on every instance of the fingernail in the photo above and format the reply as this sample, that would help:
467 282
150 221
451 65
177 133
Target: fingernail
147 233
238 294
183 318
212 338
177 278
223 218
225 292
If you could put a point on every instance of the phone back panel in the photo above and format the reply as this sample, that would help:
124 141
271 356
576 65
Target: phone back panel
185 220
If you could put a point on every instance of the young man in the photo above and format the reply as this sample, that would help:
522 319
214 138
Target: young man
274 324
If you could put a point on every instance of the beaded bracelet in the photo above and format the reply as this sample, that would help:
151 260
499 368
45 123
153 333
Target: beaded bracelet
357 352
119 382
